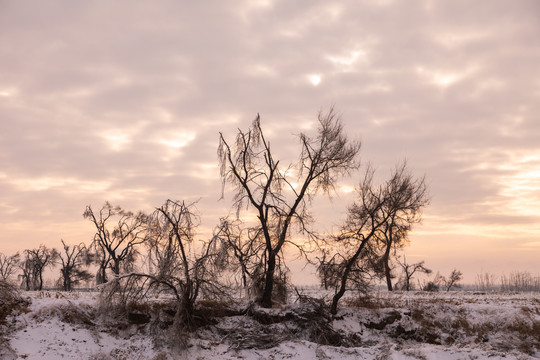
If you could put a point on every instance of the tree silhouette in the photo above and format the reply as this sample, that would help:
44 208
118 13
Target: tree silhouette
72 261
280 197
116 243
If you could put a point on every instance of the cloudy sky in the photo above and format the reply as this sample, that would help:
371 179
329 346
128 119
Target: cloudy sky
123 101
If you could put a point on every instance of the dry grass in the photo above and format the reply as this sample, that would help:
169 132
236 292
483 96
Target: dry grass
10 301
449 322
67 312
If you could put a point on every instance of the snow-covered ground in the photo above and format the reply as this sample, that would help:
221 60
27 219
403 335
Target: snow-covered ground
415 325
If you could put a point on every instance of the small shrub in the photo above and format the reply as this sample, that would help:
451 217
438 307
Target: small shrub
160 356
367 302
216 309
415 353
431 286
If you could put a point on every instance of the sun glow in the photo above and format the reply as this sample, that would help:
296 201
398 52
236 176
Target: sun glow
442 78
205 171
117 141
347 62
523 186
50 182
178 140
346 189
314 79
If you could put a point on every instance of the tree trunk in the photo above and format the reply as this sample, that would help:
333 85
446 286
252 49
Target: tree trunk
65 278
40 280
101 276
116 267
387 270
386 258
407 282
266 300
27 282
345 276
244 278
341 292
186 309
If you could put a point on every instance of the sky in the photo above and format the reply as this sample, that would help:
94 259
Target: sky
123 101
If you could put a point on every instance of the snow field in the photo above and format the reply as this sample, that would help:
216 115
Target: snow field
414 325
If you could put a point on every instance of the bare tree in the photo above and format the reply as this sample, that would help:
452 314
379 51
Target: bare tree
409 270
485 282
8 265
176 269
379 214
116 244
453 279
261 185
324 269
73 259
358 237
242 244
33 265
407 197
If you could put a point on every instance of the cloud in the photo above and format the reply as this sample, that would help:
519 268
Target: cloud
124 100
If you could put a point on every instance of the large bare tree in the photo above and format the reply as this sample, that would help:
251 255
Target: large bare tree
280 196
118 234
398 201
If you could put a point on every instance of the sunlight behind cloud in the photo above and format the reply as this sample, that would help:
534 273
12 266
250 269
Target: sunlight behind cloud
49 182
442 79
174 142
347 62
206 171
314 79
178 140
346 189
518 182
522 186
259 4
433 225
117 141
261 70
